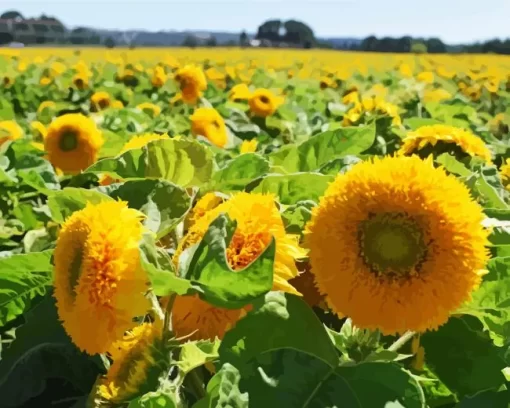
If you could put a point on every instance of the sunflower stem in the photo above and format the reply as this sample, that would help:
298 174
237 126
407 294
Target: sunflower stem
401 341
196 384
168 313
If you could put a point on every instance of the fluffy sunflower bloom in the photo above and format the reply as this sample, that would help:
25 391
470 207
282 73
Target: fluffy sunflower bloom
257 220
397 244
99 101
136 364
439 137
264 103
206 203
99 281
249 146
149 108
372 106
192 82
207 122
73 142
9 130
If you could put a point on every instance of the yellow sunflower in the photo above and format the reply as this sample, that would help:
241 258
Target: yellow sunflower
206 203
504 171
136 142
397 244
264 103
73 142
80 81
136 358
425 138
46 105
38 129
249 146
9 130
99 101
239 92
207 122
149 108
257 220
159 77
192 82
99 282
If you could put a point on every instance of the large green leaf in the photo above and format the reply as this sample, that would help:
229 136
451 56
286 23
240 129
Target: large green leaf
297 215
155 399
42 350
164 203
210 271
322 148
63 203
240 171
491 301
184 162
22 278
296 187
223 390
487 399
196 353
463 357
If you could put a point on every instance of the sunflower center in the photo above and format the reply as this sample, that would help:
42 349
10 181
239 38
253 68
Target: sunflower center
392 244
68 141
264 99
244 249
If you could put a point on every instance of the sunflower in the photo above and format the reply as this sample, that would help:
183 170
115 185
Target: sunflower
73 142
426 77
80 81
258 220
149 108
504 171
46 106
248 146
9 130
7 81
192 82
239 92
264 103
436 95
206 203
159 77
99 101
45 81
117 105
136 363
371 106
38 129
98 274
397 244
441 137
207 122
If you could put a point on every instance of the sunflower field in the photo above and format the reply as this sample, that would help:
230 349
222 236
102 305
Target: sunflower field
201 228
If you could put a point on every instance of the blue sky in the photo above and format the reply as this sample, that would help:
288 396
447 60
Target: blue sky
453 21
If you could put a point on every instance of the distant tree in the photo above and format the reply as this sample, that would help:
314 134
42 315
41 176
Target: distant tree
403 44
231 43
211 41
270 30
297 32
435 46
190 41
418 48
12 15
369 44
243 39
6 38
109 42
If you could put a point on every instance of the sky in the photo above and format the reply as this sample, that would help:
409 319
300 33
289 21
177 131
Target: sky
454 21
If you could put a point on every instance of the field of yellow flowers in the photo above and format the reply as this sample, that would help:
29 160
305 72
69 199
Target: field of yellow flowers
202 228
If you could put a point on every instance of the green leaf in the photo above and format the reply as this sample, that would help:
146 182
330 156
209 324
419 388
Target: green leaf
160 270
22 278
240 171
489 195
42 350
491 301
222 287
487 399
287 323
223 390
296 187
297 215
156 399
164 203
63 203
196 353
183 162
415 123
37 173
322 148
340 165
463 357
452 165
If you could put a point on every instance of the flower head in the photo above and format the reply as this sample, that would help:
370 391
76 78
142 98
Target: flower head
159 77
73 142
192 82
439 137
99 282
99 101
9 130
135 364
264 103
249 146
258 220
397 244
149 108
239 92
208 122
